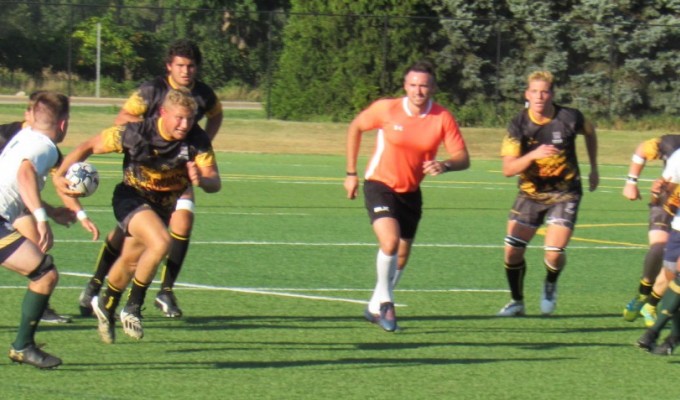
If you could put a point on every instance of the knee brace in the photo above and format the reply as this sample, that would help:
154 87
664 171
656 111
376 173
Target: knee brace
555 249
45 266
515 242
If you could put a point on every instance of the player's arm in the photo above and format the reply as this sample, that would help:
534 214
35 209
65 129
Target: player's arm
591 148
27 178
354 133
61 215
107 141
637 165
132 111
207 177
75 207
515 163
214 121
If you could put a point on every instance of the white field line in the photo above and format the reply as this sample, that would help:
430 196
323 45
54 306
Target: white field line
367 244
284 292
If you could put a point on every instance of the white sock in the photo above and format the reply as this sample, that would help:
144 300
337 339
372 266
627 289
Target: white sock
385 270
397 276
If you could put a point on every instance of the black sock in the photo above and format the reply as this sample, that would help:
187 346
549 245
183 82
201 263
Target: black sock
515 274
111 298
107 256
552 273
645 287
179 246
653 299
137 294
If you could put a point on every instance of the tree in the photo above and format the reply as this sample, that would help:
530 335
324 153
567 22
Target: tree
338 56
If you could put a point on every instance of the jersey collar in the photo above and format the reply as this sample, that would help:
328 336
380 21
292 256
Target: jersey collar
404 103
162 132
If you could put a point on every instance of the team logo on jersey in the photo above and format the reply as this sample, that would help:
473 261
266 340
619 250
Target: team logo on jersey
557 137
398 128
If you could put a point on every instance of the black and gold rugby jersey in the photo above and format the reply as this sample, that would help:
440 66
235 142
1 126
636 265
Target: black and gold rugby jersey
153 165
553 178
661 148
147 100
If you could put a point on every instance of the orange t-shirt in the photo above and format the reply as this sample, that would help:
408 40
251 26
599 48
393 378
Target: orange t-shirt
405 141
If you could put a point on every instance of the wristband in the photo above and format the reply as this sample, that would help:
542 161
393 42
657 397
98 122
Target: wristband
40 214
351 174
638 160
632 179
81 215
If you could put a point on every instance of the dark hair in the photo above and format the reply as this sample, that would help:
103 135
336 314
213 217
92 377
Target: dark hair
421 66
50 106
184 48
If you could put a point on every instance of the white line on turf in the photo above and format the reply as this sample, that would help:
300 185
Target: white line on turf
366 244
285 292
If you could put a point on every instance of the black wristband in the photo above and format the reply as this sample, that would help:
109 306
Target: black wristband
351 174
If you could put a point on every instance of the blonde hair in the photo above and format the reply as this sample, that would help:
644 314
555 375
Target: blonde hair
180 97
545 76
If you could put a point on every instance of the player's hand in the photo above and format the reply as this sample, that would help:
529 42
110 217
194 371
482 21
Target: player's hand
433 168
544 151
594 180
61 184
352 186
631 192
46 238
91 227
194 173
63 216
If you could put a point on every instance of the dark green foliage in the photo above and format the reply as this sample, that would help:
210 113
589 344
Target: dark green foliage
327 59
335 62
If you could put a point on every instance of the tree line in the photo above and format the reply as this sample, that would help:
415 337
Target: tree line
327 59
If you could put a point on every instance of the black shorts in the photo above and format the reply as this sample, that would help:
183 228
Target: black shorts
532 213
127 202
406 208
659 219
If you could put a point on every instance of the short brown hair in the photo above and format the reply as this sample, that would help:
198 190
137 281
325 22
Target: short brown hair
49 107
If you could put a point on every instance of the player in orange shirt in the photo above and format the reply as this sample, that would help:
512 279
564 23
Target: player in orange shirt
409 132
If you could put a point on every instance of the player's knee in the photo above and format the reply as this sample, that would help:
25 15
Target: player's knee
46 269
554 257
183 218
515 242
160 244
554 250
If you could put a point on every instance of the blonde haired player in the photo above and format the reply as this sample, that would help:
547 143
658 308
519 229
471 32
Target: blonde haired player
540 148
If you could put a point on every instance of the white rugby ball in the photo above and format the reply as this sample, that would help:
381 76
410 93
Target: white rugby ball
83 178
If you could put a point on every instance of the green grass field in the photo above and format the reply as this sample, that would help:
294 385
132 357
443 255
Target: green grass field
273 291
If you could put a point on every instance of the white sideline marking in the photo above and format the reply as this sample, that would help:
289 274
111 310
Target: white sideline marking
366 244
284 292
